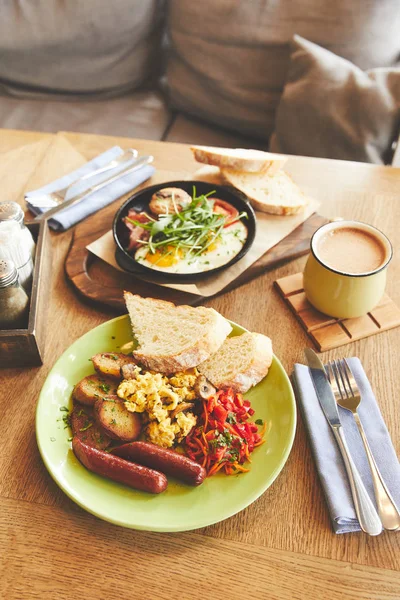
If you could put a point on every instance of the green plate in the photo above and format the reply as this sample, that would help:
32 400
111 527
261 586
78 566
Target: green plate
180 507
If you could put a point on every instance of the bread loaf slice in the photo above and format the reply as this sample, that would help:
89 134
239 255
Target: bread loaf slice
239 159
174 338
241 362
277 195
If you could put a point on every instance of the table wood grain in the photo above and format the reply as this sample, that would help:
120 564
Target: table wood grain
282 546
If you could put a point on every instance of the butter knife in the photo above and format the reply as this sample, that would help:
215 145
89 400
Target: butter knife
365 510
138 164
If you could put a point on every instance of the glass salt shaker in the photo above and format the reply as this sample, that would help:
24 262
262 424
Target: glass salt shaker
16 241
13 298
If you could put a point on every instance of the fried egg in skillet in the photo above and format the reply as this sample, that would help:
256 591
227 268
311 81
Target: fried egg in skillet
173 260
181 234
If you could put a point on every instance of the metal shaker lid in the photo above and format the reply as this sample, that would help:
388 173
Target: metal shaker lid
11 211
8 273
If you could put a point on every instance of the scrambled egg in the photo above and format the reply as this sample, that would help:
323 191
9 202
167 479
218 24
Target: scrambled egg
158 396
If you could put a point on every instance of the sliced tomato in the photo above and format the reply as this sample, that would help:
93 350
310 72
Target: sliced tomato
224 208
220 413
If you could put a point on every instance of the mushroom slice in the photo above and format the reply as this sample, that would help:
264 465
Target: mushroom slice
203 388
129 371
180 408
169 200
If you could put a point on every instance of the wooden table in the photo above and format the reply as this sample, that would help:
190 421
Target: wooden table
282 546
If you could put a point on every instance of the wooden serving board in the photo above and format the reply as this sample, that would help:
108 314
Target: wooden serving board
99 282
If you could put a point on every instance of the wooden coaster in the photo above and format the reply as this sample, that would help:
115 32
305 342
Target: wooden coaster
328 332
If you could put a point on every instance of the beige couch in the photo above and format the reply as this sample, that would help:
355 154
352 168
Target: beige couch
209 72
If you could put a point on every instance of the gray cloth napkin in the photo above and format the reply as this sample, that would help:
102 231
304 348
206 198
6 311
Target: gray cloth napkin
326 453
97 200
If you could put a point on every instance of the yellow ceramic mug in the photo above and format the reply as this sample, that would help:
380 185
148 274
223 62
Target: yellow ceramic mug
339 292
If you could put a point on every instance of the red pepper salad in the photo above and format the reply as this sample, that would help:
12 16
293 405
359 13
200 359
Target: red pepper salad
224 437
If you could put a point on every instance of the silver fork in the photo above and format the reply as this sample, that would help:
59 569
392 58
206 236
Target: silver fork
55 198
348 396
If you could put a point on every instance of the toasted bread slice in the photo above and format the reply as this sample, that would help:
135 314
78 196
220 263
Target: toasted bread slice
239 159
110 363
120 424
277 195
174 338
91 388
241 362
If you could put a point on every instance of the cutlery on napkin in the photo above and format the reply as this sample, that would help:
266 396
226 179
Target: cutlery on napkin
71 215
326 453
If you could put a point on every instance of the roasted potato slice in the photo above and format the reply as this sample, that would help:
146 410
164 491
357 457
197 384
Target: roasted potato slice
93 387
85 428
110 363
116 420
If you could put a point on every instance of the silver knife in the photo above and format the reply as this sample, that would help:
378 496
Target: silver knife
138 164
365 510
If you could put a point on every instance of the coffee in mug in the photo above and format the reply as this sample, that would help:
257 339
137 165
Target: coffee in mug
345 275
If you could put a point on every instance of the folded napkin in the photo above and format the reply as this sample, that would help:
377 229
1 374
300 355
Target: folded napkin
97 200
326 453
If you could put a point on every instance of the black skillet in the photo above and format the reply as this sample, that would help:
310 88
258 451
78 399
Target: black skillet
140 202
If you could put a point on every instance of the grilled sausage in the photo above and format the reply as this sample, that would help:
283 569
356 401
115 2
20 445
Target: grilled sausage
118 469
167 461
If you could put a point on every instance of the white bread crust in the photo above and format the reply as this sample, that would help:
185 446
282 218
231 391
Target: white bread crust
277 207
252 374
212 338
238 159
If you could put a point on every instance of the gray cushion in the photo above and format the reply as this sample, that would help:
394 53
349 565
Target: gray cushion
187 130
97 47
141 114
229 58
333 109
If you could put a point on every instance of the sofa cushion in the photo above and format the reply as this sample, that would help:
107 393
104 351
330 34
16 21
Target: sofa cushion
91 47
333 109
141 114
187 130
229 59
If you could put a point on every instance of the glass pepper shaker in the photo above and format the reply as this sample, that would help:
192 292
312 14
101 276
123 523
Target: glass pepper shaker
14 301
16 241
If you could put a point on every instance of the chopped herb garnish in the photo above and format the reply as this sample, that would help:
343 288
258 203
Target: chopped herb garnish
259 422
64 408
69 439
86 427
231 418
189 231
104 387
52 439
